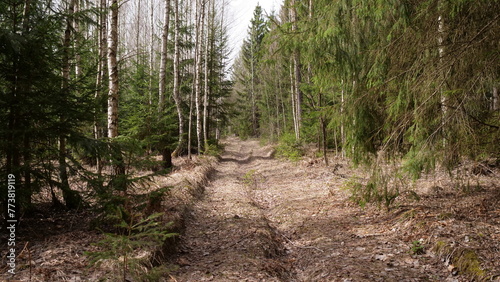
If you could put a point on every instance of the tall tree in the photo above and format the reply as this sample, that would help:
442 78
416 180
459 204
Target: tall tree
71 198
200 30
296 73
176 91
163 54
113 69
246 70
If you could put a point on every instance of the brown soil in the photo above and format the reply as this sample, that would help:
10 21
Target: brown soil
263 219
51 242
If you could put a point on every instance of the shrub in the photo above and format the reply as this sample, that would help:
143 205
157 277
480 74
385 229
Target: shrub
289 147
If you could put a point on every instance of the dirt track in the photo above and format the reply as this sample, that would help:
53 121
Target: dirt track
263 219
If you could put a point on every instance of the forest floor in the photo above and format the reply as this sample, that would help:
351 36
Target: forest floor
258 218
264 219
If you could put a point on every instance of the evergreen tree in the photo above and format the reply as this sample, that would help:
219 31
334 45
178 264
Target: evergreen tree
246 73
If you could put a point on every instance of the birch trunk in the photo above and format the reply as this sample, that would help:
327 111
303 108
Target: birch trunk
297 74
151 56
200 31
441 53
208 43
117 158
252 95
113 70
138 32
294 102
342 131
191 93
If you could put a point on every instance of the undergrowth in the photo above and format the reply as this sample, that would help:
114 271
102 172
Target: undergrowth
130 248
289 148
383 186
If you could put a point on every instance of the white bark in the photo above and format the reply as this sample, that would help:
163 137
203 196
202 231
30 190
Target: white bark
151 54
200 11
113 69
208 42
297 75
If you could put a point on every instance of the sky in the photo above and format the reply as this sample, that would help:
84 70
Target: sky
240 14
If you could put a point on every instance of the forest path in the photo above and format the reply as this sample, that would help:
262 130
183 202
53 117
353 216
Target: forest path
263 219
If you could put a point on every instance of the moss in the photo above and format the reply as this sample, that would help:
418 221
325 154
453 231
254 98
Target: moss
469 264
467 261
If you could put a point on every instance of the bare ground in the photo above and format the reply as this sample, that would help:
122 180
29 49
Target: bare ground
263 219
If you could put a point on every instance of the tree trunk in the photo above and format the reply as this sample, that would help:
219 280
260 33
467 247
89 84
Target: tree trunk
113 70
208 48
342 131
252 89
177 98
163 54
200 11
101 65
441 51
294 103
117 158
151 58
138 32
297 73
76 26
71 198
191 93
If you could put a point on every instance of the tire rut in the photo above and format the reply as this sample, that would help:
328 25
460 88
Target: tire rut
228 236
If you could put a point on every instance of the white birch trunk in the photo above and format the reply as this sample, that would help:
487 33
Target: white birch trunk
208 41
113 69
297 74
200 31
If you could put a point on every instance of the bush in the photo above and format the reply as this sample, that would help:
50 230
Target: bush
135 235
289 147
383 187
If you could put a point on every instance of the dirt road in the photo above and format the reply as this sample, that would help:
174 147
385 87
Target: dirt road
263 219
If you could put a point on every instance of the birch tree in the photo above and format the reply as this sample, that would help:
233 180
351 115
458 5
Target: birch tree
113 69
200 29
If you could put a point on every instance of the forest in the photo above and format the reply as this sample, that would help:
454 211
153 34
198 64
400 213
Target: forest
108 106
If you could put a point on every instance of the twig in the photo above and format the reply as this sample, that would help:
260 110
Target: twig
301 247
